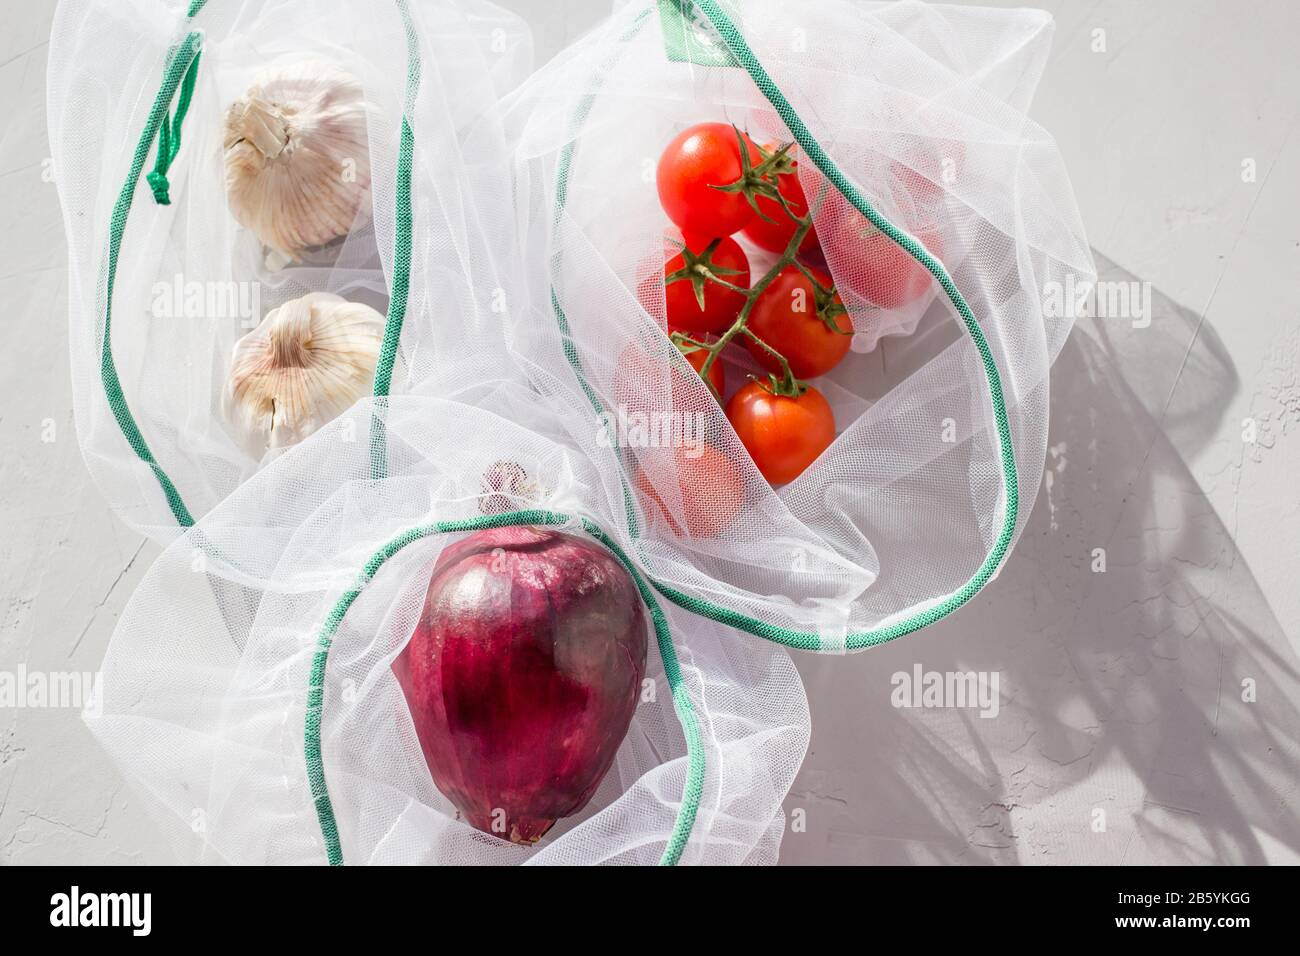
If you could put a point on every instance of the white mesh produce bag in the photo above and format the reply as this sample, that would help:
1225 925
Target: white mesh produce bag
249 688
159 293
309 580
907 118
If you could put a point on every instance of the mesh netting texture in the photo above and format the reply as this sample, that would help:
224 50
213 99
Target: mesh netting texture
185 281
249 690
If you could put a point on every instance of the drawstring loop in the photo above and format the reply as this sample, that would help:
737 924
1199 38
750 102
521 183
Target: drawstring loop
169 136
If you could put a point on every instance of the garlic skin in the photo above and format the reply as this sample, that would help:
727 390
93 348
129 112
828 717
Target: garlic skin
297 159
308 362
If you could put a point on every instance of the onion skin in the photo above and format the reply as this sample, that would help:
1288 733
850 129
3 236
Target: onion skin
523 674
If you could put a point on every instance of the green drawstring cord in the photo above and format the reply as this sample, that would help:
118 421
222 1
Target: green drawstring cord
169 137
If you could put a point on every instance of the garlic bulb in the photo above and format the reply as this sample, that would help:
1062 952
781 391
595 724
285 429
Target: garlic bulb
307 362
297 162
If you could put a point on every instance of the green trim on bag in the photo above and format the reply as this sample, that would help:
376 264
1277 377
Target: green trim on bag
681 831
688 38
402 243
169 136
681 697
813 150
805 640
562 318
179 58
179 73
694 789
402 226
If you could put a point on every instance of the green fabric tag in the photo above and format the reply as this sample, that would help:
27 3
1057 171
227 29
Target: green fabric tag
689 37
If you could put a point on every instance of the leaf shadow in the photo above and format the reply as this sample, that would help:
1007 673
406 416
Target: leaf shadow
1122 734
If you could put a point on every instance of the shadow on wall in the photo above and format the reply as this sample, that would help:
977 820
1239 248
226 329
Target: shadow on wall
1122 733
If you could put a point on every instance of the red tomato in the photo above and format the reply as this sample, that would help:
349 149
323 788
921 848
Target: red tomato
648 382
699 158
783 435
710 490
728 262
890 277
884 274
786 317
697 358
775 236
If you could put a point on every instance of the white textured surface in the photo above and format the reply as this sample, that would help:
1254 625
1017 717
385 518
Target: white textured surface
1119 691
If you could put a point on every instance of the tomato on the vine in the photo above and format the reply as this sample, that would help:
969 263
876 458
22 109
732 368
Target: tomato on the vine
697 357
806 323
783 434
710 490
700 159
778 230
694 298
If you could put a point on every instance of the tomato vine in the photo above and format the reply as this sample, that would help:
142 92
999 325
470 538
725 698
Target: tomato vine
761 179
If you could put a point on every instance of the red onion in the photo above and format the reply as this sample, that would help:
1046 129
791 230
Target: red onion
522 675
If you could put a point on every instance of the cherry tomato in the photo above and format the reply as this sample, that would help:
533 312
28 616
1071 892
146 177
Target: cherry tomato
890 277
884 273
710 490
697 358
786 317
687 270
775 236
650 382
783 435
699 158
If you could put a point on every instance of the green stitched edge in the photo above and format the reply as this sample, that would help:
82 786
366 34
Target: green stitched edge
694 789
683 41
178 62
561 200
672 671
169 136
402 243
813 150
681 697
806 640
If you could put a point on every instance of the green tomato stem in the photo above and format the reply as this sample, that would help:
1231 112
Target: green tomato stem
789 384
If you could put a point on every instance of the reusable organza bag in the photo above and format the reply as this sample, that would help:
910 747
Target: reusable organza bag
909 124
159 293
250 690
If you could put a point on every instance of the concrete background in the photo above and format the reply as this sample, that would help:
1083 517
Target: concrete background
1122 692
